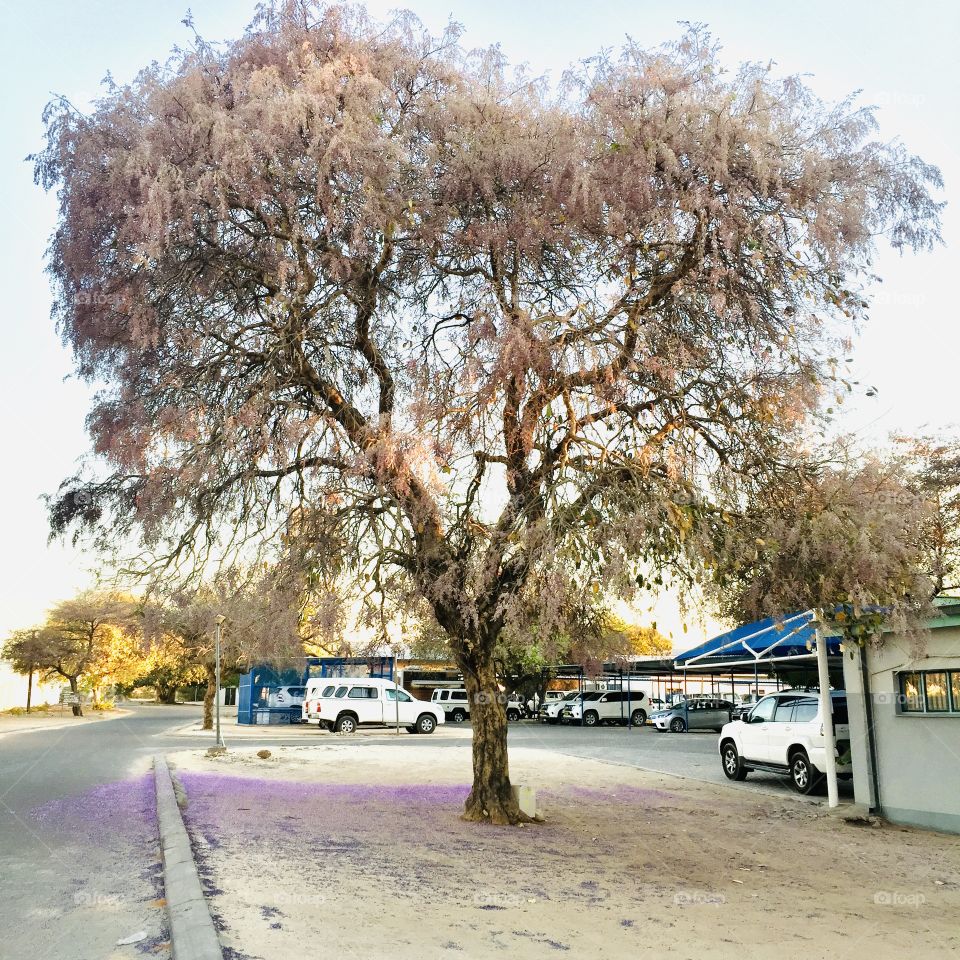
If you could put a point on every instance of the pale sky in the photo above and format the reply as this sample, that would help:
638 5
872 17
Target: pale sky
902 56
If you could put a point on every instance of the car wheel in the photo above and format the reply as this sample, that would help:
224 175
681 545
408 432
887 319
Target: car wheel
803 774
426 723
591 718
458 716
513 715
677 725
733 766
638 718
346 724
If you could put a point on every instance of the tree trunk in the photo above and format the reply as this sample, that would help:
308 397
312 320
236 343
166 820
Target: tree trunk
75 688
491 798
29 687
166 693
211 671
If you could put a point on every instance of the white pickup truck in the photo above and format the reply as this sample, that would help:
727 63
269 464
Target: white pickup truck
344 704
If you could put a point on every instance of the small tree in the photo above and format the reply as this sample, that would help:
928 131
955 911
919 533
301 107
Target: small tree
262 620
78 640
466 340
25 650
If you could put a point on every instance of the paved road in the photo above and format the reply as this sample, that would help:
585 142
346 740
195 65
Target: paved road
691 754
79 862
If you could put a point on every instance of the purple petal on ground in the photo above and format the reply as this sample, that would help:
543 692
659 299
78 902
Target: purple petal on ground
110 810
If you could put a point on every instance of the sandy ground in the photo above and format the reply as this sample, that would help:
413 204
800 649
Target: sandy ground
352 850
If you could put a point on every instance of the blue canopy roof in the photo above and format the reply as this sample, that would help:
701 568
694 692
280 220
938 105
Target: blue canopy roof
776 638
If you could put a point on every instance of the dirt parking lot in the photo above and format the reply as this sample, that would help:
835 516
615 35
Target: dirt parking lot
345 849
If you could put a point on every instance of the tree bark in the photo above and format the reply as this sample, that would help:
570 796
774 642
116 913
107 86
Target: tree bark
75 688
29 687
166 693
211 672
490 798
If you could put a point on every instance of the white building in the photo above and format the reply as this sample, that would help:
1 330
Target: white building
904 708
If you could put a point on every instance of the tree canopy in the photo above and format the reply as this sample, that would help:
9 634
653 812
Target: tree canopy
448 333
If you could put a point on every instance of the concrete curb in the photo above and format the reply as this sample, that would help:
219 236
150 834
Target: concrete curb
192 933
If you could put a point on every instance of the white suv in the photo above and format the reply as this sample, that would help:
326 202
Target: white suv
613 706
550 710
344 704
456 705
783 733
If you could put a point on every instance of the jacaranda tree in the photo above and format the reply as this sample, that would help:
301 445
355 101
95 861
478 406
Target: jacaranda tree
445 331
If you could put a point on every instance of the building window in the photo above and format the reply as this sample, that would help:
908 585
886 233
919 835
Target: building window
935 688
911 693
929 692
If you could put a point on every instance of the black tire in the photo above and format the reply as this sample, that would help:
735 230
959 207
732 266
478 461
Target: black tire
426 723
458 715
638 718
411 729
346 724
591 718
732 762
677 725
804 776
513 714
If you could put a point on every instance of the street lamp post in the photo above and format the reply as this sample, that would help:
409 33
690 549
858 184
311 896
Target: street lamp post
220 620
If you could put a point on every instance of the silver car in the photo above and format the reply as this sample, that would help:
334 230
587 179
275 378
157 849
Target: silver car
700 714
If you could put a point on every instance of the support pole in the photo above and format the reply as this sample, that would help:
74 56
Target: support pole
826 712
220 742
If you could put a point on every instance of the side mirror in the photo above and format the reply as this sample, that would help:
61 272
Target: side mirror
756 718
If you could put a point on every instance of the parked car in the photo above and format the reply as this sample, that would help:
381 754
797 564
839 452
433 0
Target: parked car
549 711
783 733
289 697
743 707
456 705
515 707
699 713
611 706
534 704
348 703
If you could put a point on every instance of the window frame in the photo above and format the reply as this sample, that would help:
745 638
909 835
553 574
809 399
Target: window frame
924 710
